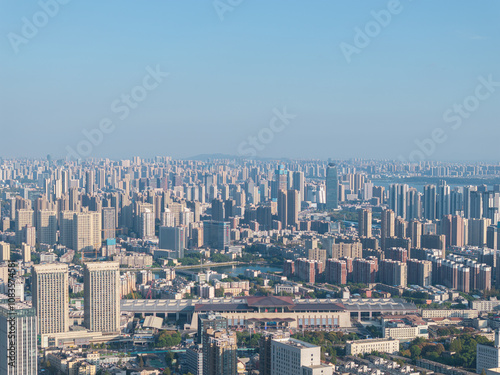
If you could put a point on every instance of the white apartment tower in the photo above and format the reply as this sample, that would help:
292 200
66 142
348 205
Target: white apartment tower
102 296
51 297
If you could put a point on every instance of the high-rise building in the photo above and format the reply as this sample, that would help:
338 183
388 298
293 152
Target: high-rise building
477 231
87 231
443 200
392 272
293 207
298 184
102 296
295 357
387 227
430 197
4 251
415 233
207 321
18 319
364 270
336 271
283 208
265 350
147 227
454 228
220 353
216 234
46 227
24 218
108 223
173 238
332 187
280 181
365 223
488 357
194 360
397 199
218 210
419 272
51 297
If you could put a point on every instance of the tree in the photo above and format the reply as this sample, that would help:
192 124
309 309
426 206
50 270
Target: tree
415 351
167 371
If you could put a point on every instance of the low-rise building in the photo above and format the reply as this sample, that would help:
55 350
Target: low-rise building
356 347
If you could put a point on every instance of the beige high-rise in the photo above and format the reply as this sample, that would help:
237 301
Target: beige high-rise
51 297
87 231
4 251
24 218
102 296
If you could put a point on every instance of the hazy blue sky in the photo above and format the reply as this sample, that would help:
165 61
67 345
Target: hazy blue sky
229 74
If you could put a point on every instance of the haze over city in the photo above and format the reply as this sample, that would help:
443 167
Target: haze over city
231 66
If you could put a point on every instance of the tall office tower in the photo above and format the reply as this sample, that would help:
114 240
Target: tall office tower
379 192
108 223
488 357
280 181
454 228
298 184
173 238
467 200
66 228
19 320
220 353
218 210
74 199
332 187
24 218
393 272
4 251
51 297
216 234
397 199
477 231
456 202
365 223
87 231
102 296
364 270
283 208
491 237
414 233
413 204
46 228
341 193
336 271
293 207
476 205
294 357
210 321
89 182
387 226
430 204
443 200
265 351
224 192
147 228
419 272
